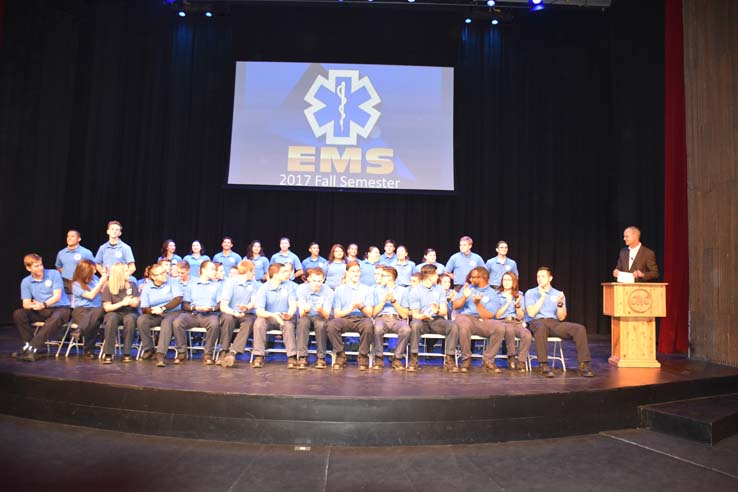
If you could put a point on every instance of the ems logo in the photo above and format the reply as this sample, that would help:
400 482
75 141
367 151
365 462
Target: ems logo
342 107
118 254
47 283
78 257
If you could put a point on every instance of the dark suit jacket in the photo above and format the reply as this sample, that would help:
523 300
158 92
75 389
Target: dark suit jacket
644 261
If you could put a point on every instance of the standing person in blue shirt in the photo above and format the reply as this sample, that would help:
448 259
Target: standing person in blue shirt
500 264
390 314
237 302
314 303
546 307
429 258
509 308
284 255
88 312
336 268
429 309
461 263
43 297
67 258
261 264
352 252
474 304
352 310
196 257
228 258
389 258
314 260
200 307
120 301
368 265
161 301
115 250
169 252
405 268
276 304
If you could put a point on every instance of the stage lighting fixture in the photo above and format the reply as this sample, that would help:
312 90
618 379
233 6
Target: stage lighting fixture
536 5
468 20
491 3
411 1
536 2
495 22
208 14
181 13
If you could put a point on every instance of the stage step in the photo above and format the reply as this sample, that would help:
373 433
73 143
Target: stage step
706 420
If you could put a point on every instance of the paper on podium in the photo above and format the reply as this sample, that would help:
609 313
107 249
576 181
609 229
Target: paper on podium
625 278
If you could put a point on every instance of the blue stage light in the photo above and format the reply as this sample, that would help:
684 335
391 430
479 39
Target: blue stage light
467 20
536 2
495 22
411 1
491 3
208 14
181 13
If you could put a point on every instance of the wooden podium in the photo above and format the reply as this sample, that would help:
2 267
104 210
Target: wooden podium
634 309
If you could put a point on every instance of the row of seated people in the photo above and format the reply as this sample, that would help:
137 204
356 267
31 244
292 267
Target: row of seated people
243 302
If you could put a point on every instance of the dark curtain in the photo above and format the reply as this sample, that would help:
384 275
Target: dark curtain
674 334
119 109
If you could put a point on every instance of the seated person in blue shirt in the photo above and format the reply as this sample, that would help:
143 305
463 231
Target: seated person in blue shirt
314 260
220 272
352 311
195 258
88 312
120 300
237 303
368 265
67 258
146 274
314 302
405 267
546 307
44 300
389 258
461 263
429 258
161 301
115 250
336 267
183 274
509 308
448 289
429 309
474 306
200 308
228 258
500 264
261 263
390 314
169 252
276 306
284 255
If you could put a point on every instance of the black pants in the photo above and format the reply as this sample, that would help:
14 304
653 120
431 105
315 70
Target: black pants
53 319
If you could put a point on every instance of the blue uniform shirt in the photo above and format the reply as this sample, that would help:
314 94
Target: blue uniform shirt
43 290
460 265
67 260
275 299
80 301
440 268
236 291
421 297
291 257
400 294
195 264
404 272
488 300
261 266
153 296
334 274
387 261
346 295
173 260
308 263
500 301
497 270
324 297
228 261
548 309
110 254
367 272
203 294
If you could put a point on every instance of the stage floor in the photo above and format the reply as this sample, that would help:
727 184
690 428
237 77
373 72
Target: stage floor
278 405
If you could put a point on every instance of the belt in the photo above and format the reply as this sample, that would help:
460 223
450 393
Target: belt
510 318
395 316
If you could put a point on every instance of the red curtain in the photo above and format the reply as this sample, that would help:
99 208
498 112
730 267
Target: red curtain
674 334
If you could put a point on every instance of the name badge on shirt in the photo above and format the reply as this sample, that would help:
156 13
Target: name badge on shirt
47 283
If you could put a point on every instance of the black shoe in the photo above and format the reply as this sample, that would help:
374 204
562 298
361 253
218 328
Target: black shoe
207 359
449 364
545 370
107 359
28 355
127 358
160 362
584 370
90 354
292 362
181 357
228 360
302 363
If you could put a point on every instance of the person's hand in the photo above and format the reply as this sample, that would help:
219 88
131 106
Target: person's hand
467 291
638 274
615 273
285 316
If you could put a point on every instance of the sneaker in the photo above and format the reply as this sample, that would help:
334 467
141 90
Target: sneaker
449 364
17 354
148 354
545 370
160 362
258 362
339 362
397 364
378 363
207 359
491 367
127 358
292 362
228 360
107 359
181 357
28 355
413 364
584 370
363 362
320 364
302 363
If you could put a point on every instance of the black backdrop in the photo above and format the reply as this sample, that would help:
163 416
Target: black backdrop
119 109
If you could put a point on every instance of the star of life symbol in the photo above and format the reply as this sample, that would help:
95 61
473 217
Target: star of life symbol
342 107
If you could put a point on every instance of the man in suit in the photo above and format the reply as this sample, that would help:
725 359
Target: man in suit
636 258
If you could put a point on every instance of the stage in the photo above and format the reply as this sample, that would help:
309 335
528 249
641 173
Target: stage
275 405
